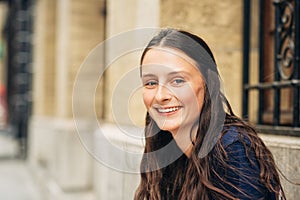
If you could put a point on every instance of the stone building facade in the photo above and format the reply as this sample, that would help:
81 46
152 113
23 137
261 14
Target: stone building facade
66 32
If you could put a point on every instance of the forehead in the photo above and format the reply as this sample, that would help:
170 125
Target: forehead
168 59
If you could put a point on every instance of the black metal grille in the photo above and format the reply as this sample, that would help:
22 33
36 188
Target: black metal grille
285 67
18 35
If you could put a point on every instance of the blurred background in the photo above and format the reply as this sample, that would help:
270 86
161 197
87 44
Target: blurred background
43 43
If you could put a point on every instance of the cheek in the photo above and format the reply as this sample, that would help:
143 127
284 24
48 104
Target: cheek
200 99
199 93
148 98
192 97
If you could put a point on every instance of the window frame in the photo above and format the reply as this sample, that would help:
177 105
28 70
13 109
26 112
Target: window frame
286 38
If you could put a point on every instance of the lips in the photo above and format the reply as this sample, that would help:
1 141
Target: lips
168 109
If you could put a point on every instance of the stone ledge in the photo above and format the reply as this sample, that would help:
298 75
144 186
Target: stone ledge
133 136
118 147
119 177
61 164
281 141
49 189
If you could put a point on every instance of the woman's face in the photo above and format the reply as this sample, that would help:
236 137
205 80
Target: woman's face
173 89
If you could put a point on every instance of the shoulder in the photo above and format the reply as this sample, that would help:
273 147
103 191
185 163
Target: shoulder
239 164
239 149
232 135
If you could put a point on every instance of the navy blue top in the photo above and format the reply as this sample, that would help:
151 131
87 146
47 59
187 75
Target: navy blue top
244 175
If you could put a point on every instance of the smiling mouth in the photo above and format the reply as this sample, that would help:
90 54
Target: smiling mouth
168 110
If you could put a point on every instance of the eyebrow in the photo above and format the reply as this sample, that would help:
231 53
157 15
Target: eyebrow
147 75
178 72
169 74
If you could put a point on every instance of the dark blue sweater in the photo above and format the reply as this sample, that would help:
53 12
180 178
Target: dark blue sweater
244 173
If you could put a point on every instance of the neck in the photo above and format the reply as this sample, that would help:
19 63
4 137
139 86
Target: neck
183 139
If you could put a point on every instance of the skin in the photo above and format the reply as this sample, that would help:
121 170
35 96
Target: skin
173 93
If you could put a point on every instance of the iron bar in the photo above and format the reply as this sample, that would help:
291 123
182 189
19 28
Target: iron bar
261 66
246 50
273 85
276 97
296 96
286 66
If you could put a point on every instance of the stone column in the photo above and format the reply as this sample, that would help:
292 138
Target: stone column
44 76
79 30
121 112
66 31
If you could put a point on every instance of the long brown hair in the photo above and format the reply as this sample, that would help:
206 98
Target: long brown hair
200 177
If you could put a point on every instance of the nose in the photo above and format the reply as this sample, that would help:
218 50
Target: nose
163 94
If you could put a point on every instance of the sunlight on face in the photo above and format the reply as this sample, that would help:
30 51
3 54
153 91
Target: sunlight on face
173 88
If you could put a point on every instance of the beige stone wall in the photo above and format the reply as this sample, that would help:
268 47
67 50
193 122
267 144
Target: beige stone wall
219 23
87 31
286 151
80 29
65 32
44 59
138 14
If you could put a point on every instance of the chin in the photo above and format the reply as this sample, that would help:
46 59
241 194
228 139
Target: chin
171 129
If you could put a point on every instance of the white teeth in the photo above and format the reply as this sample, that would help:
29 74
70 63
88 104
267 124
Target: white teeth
166 110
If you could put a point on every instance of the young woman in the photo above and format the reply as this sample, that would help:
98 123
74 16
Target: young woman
196 147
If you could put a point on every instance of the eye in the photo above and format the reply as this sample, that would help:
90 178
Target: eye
178 82
150 84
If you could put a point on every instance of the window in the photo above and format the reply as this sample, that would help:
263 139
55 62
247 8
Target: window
278 76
